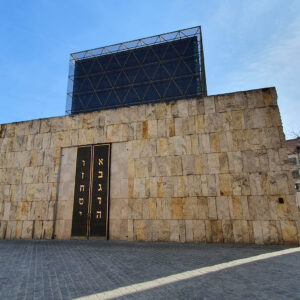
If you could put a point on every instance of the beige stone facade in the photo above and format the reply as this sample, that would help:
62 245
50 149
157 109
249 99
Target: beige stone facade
200 170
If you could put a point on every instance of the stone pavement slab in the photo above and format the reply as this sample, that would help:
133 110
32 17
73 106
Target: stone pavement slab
72 269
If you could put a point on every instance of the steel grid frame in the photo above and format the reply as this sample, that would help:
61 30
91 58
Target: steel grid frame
178 35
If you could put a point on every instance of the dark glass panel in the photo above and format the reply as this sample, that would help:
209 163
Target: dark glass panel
142 75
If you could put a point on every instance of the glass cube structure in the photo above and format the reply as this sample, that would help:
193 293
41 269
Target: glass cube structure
160 68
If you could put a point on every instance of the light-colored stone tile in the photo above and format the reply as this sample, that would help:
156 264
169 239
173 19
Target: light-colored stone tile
174 231
258 233
237 231
213 163
235 207
209 105
216 231
65 191
222 208
164 230
63 229
289 232
48 230
38 230
3 226
64 210
204 144
27 230
163 166
162 146
22 211
190 208
225 182
199 230
139 229
227 229
176 208
188 164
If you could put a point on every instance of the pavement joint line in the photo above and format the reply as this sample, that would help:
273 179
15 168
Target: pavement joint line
143 286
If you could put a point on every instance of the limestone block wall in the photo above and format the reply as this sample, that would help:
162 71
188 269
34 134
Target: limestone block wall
199 170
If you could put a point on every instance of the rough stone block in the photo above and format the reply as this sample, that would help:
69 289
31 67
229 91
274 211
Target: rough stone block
22 211
213 163
223 163
199 124
190 208
202 203
162 111
139 228
164 231
204 144
160 208
64 210
48 230
118 209
174 231
222 208
147 148
3 226
38 230
6 211
257 232
11 230
63 229
176 165
212 209
209 105
182 108
271 138
289 232
27 230
259 208
250 161
181 186
199 230
162 146
130 230
235 207
66 191
171 127
225 183
227 230
237 231
141 168
188 164
216 231
208 233
176 208
189 235
19 229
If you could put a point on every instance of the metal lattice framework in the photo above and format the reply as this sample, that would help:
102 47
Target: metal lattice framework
155 69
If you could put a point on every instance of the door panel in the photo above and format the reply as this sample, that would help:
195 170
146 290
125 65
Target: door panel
91 196
82 191
100 191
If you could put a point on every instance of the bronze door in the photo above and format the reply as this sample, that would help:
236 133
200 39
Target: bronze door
91 196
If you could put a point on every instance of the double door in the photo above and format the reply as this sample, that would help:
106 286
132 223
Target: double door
91 195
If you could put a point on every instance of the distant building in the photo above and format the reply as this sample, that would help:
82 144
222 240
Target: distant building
293 147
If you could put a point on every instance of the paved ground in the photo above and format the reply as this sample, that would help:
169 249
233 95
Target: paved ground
72 269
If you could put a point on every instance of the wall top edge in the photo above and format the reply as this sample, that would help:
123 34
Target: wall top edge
153 104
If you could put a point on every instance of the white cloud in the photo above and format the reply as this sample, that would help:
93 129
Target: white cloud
277 64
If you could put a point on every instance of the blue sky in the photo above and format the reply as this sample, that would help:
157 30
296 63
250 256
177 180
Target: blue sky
247 45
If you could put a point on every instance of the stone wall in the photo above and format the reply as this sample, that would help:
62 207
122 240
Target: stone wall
199 170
